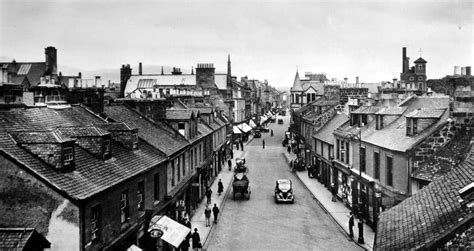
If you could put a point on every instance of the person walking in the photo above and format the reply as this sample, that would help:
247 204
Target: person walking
271 132
229 162
208 195
231 154
241 145
263 144
215 211
288 148
207 213
196 240
220 187
351 225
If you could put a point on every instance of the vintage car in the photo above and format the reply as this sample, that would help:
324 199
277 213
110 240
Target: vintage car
280 121
284 191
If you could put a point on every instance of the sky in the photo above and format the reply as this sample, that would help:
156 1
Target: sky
265 39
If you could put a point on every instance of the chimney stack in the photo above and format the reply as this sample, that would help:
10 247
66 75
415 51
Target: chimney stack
357 81
468 70
51 60
457 70
79 75
463 71
140 68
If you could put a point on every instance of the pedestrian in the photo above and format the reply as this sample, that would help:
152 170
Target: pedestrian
220 187
271 132
207 213
184 246
237 145
229 162
187 223
215 211
242 145
231 154
351 225
288 149
196 240
208 195
263 144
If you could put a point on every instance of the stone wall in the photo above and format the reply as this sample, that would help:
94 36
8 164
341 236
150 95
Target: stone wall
433 143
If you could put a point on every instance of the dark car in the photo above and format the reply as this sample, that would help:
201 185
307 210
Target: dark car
282 113
280 121
284 191
257 134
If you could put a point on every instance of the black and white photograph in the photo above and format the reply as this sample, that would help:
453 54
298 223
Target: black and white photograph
210 125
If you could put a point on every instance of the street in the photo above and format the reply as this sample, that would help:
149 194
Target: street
259 223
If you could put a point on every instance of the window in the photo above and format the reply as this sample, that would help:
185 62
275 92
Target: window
362 159
135 140
313 96
363 120
195 156
124 213
415 126
376 165
342 151
347 152
95 222
308 97
379 122
178 168
184 164
172 173
141 196
322 149
181 128
389 171
420 78
106 147
68 155
412 78
192 158
156 186
337 149
315 145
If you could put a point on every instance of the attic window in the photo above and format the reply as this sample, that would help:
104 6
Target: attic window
135 139
181 128
68 155
106 146
412 126
379 122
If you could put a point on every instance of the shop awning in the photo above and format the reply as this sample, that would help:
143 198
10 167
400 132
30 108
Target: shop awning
134 248
244 127
263 118
163 227
252 124
236 130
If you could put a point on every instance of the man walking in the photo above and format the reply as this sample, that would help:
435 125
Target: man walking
208 195
351 225
215 210
263 144
220 187
229 162
207 213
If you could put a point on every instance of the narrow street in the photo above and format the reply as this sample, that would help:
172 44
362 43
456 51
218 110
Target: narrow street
260 223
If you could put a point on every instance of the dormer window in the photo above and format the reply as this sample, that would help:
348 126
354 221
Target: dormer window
181 128
412 126
135 140
379 122
68 156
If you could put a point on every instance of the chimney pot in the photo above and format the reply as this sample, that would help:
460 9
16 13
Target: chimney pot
140 68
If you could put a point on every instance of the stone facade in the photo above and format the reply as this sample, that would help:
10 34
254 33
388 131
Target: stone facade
433 143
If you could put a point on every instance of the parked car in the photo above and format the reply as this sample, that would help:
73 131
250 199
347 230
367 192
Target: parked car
282 113
284 191
280 121
257 134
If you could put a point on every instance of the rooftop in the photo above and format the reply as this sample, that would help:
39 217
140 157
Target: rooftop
325 133
430 215
20 238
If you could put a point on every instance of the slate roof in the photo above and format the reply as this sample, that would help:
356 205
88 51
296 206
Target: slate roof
425 113
393 110
204 110
30 137
397 128
325 133
157 133
17 238
430 214
82 131
149 80
420 60
178 114
91 175
221 81
33 71
297 84
367 110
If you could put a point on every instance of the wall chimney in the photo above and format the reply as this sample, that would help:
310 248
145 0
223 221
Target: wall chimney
357 81
404 60
79 75
468 70
140 68
51 60
463 71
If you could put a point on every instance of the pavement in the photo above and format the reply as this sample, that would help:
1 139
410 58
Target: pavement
198 219
338 212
